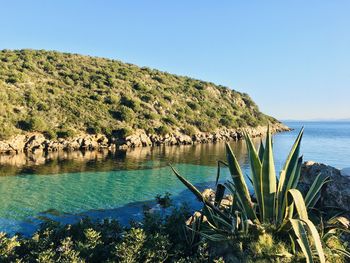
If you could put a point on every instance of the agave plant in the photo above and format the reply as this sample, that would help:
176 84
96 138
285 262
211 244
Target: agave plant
274 201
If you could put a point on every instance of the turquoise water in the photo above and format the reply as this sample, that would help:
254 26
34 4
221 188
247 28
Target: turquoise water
118 185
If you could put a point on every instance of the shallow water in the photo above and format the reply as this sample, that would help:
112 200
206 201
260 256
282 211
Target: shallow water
105 185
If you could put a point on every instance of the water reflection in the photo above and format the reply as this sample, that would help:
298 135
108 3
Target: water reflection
132 159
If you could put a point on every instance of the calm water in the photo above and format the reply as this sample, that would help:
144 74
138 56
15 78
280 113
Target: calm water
100 185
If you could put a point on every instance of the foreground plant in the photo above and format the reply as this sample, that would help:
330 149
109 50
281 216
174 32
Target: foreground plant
275 207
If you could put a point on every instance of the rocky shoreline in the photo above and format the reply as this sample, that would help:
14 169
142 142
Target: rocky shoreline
37 143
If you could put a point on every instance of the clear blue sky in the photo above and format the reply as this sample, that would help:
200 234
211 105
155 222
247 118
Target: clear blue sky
292 57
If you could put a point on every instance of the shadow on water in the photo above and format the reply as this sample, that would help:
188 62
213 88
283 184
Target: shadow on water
124 215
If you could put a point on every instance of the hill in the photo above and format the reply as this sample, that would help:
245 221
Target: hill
61 94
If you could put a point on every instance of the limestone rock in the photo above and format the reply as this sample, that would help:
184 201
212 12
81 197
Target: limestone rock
336 193
35 143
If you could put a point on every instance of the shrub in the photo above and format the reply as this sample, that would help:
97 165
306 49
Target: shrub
139 86
193 105
130 103
124 113
189 130
36 123
149 115
122 132
163 130
111 99
170 120
6 130
65 133
227 121
50 134
41 106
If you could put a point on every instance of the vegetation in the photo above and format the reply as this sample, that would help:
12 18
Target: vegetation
60 94
273 223
160 237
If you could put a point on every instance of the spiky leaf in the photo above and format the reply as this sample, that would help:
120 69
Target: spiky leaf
268 180
240 184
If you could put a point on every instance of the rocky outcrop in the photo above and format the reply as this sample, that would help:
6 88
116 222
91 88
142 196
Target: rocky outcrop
335 193
140 138
36 142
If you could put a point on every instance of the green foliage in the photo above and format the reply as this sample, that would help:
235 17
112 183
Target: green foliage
6 130
163 130
278 208
189 130
164 201
160 237
44 90
65 133
124 113
122 132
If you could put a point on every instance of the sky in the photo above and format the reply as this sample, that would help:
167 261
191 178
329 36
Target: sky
291 57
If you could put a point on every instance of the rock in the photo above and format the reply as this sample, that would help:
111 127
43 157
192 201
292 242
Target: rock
102 141
336 193
209 194
18 143
184 139
89 143
145 140
36 143
14 145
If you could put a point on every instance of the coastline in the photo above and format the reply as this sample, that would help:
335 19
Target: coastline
36 143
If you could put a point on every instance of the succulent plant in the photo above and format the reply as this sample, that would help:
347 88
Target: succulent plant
275 202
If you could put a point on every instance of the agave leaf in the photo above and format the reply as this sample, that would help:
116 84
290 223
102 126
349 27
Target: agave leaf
268 180
190 186
215 237
256 176
302 239
292 242
261 151
240 184
198 194
219 194
193 238
208 213
235 202
218 171
289 210
287 179
296 176
316 239
339 220
312 195
223 222
299 203
343 252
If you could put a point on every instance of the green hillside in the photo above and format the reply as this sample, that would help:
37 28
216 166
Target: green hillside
61 94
